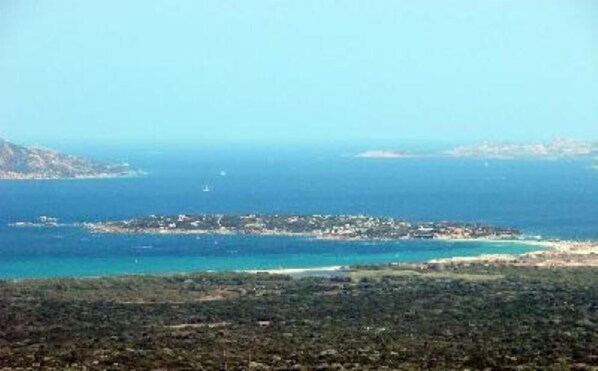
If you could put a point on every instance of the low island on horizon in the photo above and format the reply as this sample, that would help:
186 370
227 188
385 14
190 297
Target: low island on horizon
558 148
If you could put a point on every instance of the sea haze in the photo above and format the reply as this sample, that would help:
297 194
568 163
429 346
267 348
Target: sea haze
550 198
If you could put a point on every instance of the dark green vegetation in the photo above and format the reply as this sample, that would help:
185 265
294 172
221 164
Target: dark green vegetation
318 226
440 317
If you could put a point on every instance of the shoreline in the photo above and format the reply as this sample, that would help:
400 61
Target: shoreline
558 254
555 254
542 253
548 243
98 228
131 174
296 271
561 253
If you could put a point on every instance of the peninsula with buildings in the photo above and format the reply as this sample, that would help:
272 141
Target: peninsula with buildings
23 163
334 227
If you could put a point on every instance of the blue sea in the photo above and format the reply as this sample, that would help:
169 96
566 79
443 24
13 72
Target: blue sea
557 199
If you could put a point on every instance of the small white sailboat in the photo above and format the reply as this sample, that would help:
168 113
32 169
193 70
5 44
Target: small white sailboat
206 188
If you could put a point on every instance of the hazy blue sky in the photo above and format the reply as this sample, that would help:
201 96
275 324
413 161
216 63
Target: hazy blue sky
344 70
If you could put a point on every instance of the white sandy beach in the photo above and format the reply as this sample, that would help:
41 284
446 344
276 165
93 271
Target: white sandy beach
296 270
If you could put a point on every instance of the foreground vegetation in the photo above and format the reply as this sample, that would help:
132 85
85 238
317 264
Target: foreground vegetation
403 317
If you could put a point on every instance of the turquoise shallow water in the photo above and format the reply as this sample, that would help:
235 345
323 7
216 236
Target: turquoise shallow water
102 255
550 198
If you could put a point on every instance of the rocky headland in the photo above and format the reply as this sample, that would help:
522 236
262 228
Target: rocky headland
21 163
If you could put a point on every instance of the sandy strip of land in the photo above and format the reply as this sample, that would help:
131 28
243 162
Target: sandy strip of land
553 254
297 270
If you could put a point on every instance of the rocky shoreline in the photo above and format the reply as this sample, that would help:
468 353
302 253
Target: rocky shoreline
20 176
26 163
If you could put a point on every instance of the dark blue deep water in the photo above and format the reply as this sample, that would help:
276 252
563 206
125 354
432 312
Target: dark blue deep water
548 198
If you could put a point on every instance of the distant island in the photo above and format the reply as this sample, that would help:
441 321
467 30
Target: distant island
334 227
18 162
382 154
556 149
